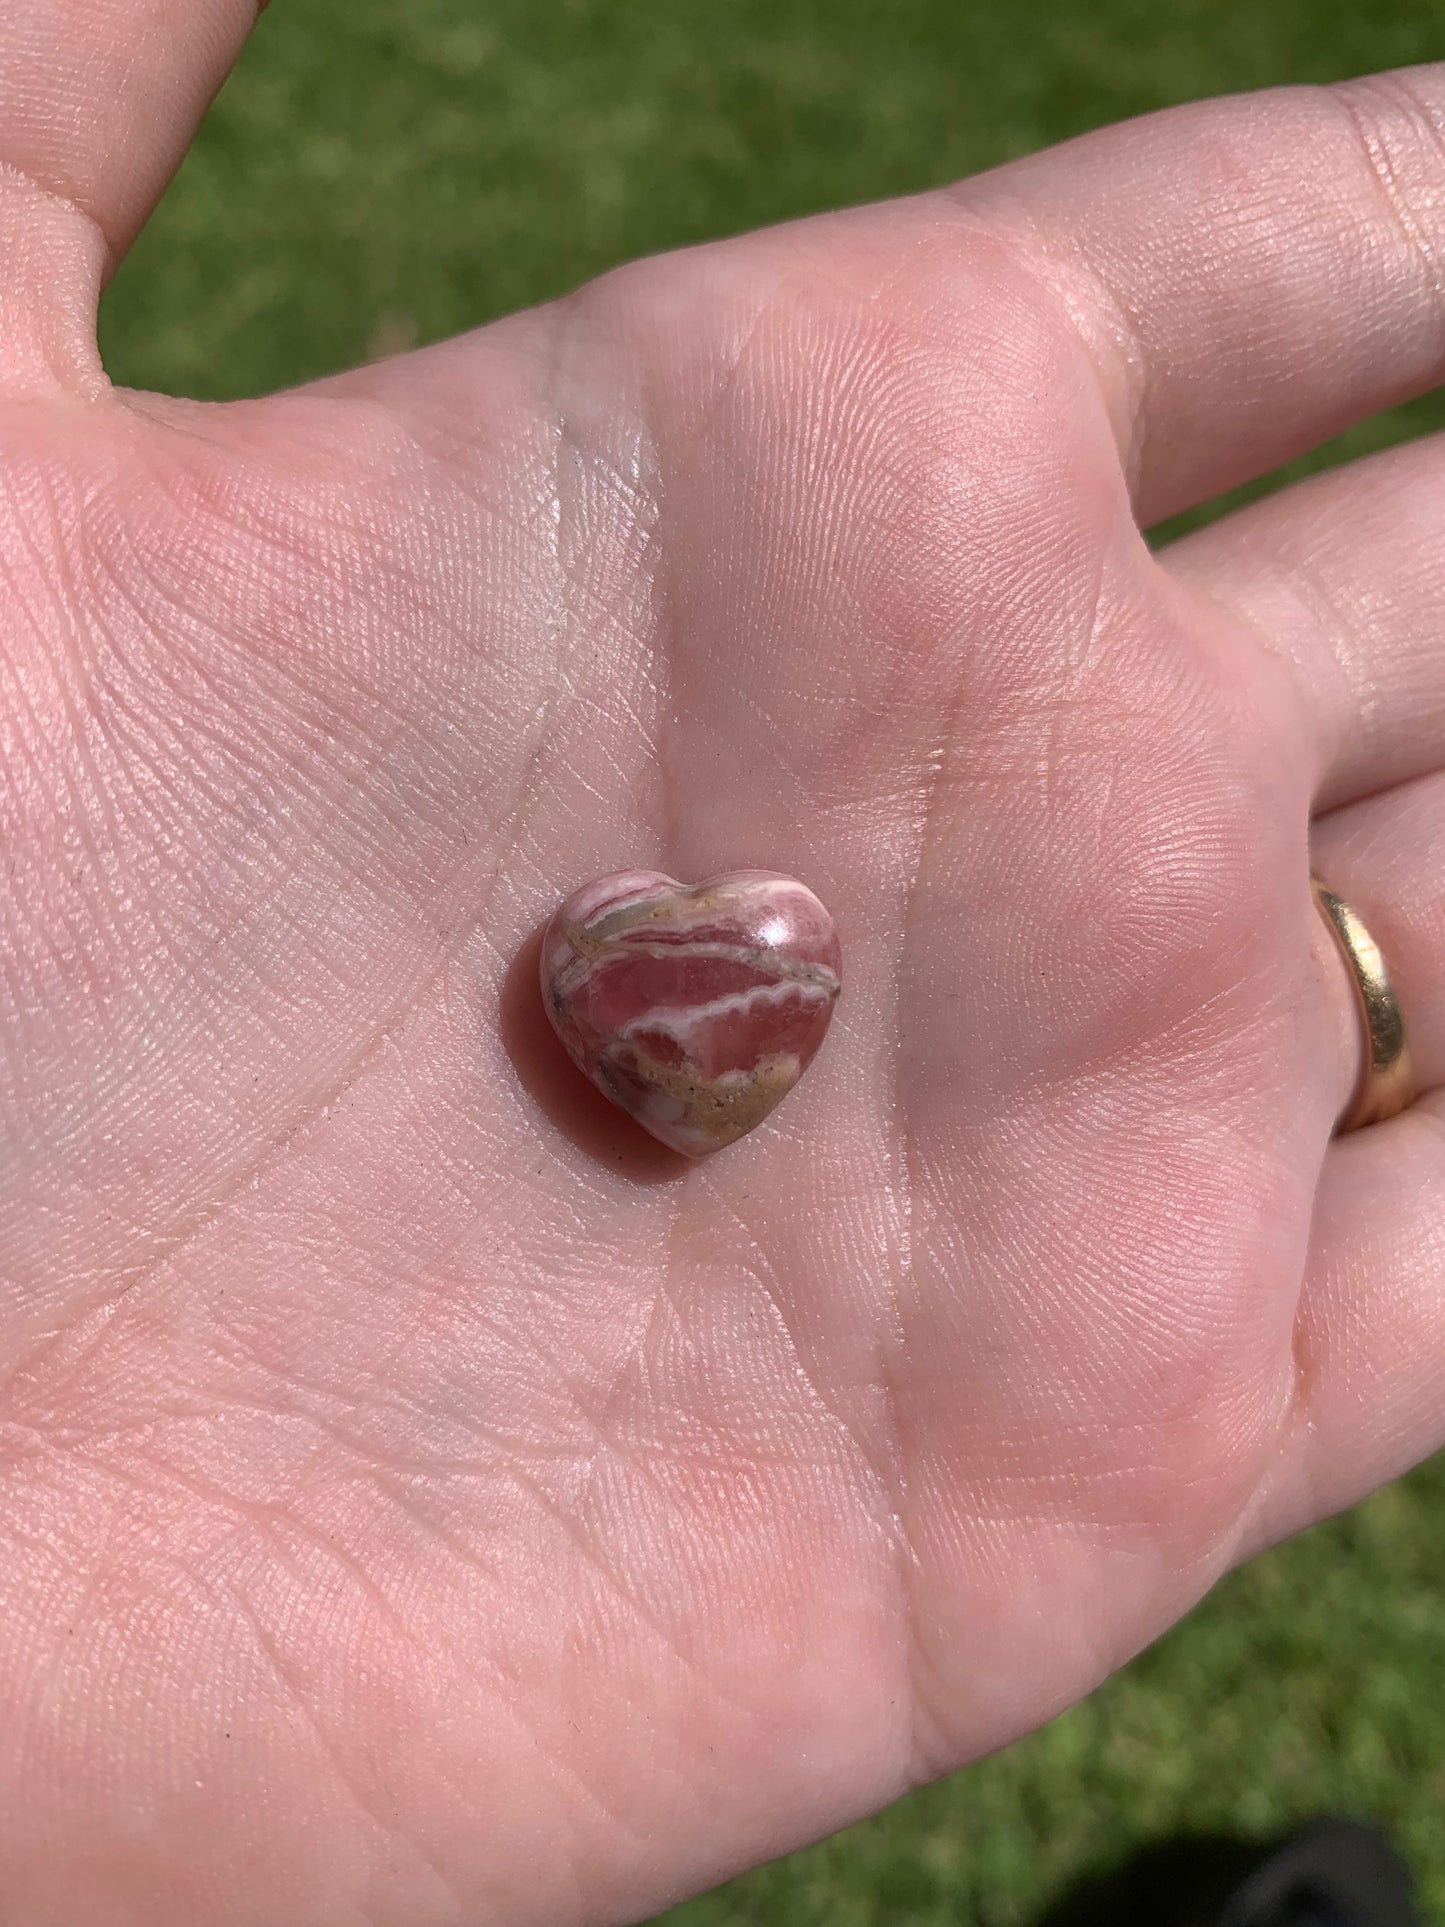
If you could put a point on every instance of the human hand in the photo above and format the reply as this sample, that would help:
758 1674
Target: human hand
422 1502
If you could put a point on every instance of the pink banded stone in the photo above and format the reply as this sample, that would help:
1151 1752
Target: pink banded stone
697 1009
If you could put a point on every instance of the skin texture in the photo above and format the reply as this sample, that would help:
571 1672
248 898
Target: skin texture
420 1506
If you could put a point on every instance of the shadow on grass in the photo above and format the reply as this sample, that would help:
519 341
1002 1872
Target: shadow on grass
1333 1872
1177 1883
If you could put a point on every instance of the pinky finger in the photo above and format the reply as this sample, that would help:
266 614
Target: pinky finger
1370 1338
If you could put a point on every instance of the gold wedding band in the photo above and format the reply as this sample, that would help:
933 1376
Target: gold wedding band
1384 1086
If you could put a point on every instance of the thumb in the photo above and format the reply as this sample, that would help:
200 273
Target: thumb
99 100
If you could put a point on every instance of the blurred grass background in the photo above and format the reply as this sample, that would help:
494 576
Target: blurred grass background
382 174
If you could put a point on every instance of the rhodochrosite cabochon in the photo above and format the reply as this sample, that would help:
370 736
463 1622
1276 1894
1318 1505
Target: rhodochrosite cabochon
695 1009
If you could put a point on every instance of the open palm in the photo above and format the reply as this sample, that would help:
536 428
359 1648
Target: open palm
424 1501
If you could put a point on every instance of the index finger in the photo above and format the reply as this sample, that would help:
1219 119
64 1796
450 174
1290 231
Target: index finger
1252 274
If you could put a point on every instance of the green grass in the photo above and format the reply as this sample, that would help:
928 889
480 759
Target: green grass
382 173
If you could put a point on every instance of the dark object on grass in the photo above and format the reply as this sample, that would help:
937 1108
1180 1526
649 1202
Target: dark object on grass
1331 1873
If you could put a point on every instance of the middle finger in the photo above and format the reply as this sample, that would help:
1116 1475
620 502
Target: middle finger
1342 577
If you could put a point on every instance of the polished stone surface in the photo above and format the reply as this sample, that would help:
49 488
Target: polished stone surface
694 1009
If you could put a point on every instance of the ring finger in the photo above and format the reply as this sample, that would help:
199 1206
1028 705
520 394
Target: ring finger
1343 579
1369 1392
1385 856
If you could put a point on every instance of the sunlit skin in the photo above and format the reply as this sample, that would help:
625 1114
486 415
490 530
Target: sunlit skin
424 1502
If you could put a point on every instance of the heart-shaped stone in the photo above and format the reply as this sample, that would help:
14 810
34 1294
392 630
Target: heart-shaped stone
696 1010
